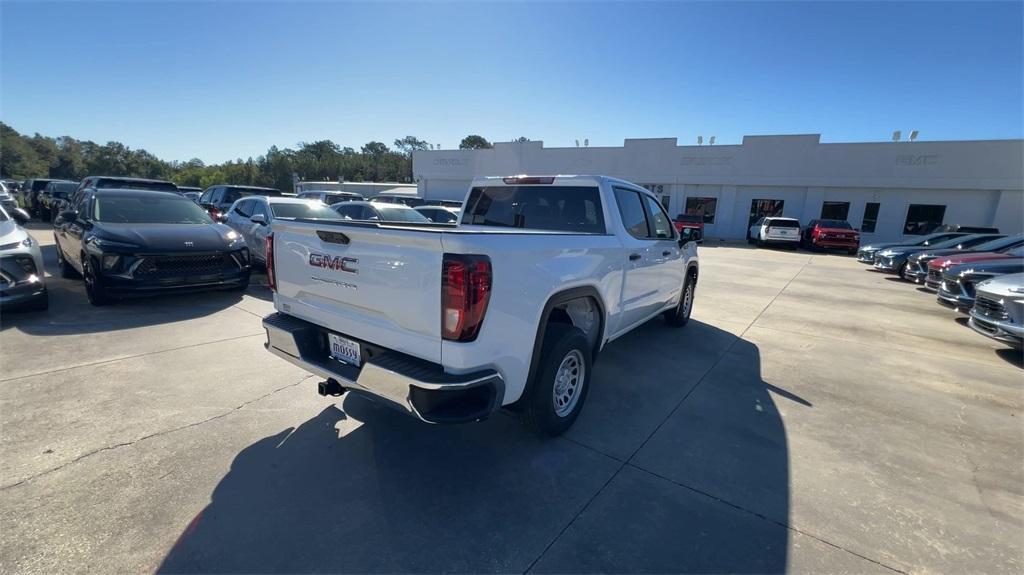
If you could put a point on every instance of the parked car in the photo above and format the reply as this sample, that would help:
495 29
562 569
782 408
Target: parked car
998 310
457 204
378 212
694 222
331 198
411 201
919 264
28 199
440 214
965 229
957 288
938 266
124 183
830 234
54 198
253 217
8 201
22 281
218 199
773 230
895 260
541 273
139 242
866 254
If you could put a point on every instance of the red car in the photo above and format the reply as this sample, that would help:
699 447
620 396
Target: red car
683 221
938 266
830 234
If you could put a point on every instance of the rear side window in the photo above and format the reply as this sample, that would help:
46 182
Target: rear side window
631 208
557 208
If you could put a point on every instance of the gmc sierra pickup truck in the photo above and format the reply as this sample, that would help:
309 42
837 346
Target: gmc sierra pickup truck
507 308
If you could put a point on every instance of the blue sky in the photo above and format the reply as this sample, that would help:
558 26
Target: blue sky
229 79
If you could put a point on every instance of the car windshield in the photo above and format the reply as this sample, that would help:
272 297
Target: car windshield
392 214
999 244
156 209
312 209
966 241
122 184
837 224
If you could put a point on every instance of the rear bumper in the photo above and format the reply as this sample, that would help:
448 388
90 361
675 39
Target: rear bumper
830 243
417 387
1003 331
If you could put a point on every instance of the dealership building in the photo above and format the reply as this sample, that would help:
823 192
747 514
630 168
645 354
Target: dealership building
888 190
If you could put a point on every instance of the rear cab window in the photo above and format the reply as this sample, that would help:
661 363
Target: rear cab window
575 209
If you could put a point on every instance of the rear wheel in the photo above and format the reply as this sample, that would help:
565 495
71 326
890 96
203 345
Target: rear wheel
903 271
94 288
560 388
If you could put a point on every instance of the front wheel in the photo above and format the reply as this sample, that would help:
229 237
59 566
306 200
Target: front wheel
903 271
680 315
94 289
563 378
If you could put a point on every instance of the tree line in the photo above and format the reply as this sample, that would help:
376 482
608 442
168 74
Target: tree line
64 157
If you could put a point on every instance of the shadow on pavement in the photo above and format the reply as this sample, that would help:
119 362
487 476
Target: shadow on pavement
1012 356
367 489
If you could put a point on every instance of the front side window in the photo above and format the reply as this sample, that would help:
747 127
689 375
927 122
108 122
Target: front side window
703 207
541 207
631 208
870 217
660 224
923 218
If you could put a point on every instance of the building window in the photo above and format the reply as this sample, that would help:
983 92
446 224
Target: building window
870 217
835 211
704 207
923 218
764 208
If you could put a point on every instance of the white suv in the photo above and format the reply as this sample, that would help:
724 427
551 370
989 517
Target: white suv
783 231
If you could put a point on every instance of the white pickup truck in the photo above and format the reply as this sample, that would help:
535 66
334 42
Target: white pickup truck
507 308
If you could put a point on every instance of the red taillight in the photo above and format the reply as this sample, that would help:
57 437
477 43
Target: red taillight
524 180
271 279
465 291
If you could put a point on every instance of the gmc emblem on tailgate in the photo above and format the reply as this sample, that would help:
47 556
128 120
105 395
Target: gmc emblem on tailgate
334 263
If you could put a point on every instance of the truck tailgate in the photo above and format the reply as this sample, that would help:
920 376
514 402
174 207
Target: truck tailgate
382 286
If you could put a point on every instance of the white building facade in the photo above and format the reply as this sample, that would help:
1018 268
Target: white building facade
888 190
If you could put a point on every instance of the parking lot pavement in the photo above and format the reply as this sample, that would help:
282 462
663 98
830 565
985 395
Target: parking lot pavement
813 416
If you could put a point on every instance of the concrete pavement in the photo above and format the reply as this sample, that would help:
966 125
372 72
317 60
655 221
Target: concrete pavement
813 416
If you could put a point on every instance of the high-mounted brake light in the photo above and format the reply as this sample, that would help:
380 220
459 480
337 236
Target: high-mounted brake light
465 292
271 276
524 180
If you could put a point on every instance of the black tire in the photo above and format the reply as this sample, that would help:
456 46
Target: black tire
750 240
244 285
44 215
66 271
758 242
562 343
94 289
903 270
852 252
680 315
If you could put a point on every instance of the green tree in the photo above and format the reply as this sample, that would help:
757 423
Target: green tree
474 142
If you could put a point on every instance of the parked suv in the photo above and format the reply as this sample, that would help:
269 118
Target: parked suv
22 281
958 285
28 198
896 259
773 230
919 265
866 254
124 183
830 234
253 217
218 199
54 198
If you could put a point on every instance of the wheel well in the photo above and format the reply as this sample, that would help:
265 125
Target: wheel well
691 272
582 312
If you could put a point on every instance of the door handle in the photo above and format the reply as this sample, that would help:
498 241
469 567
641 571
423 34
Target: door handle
666 253
634 257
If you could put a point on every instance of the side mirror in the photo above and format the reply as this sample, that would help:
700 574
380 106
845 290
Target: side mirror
21 216
259 219
220 217
68 215
687 235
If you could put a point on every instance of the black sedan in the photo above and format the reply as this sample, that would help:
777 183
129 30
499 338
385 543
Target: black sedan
136 242
958 282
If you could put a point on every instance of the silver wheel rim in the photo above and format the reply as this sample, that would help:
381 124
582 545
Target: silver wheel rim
568 383
687 300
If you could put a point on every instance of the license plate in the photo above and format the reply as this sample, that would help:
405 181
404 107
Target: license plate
344 349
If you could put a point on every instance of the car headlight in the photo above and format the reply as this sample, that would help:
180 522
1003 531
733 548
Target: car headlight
102 243
234 239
